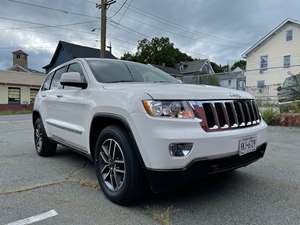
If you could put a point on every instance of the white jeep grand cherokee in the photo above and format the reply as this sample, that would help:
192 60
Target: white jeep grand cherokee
142 127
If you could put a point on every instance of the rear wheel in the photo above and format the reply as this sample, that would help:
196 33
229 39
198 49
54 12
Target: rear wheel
43 146
117 168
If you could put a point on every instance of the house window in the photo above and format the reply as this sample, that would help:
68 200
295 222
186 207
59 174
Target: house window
14 95
33 93
18 56
229 82
260 83
286 61
263 63
289 35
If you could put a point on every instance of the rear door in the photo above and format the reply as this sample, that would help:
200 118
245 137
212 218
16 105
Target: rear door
52 103
43 100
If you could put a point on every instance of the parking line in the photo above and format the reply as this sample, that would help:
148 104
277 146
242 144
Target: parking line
36 218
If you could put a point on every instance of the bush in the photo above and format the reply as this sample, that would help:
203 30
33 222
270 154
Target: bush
271 116
294 107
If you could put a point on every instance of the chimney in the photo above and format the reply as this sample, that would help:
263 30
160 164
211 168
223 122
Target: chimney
20 58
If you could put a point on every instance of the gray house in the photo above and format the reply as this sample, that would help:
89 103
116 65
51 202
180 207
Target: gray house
190 70
235 79
66 51
170 70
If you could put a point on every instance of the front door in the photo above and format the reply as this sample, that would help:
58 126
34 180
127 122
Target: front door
70 113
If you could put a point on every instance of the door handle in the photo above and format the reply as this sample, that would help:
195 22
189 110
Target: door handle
59 96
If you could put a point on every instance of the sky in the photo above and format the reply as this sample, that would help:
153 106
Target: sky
220 30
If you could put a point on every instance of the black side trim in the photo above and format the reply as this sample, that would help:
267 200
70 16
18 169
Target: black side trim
73 147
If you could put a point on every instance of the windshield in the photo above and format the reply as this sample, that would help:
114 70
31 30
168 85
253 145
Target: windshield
114 71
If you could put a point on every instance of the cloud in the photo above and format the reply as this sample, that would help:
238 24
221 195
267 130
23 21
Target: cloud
215 29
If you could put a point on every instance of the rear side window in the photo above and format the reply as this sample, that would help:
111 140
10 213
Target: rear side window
56 79
47 82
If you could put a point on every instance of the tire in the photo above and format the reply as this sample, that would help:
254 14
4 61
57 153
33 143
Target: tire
43 146
117 167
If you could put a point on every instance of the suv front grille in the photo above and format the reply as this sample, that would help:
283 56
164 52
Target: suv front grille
227 114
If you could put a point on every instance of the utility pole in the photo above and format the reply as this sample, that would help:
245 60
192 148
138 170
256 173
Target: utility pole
103 5
109 47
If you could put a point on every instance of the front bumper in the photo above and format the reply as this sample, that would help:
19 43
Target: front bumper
164 179
154 135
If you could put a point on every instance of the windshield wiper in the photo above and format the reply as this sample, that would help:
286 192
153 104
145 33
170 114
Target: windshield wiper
161 81
121 81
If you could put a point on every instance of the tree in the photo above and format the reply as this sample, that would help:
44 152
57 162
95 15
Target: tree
129 57
217 68
240 63
157 51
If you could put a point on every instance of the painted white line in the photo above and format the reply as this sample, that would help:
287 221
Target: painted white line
34 219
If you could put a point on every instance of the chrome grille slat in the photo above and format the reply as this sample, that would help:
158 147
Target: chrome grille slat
228 114
234 115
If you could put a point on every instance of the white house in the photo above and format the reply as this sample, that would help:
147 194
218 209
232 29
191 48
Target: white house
272 59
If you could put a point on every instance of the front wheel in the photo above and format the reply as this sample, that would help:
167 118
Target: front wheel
117 168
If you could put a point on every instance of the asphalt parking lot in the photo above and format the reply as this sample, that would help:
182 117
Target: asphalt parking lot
266 192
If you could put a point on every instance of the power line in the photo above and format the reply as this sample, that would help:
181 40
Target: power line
138 11
58 27
179 26
125 11
53 9
128 29
119 9
43 26
176 33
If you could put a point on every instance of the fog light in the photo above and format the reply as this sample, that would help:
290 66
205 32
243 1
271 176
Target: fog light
180 149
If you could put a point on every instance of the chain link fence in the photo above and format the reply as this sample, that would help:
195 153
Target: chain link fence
265 95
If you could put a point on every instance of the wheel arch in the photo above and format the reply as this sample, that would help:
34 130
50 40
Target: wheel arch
35 115
102 120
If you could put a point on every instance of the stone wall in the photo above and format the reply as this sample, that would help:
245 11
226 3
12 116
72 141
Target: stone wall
290 119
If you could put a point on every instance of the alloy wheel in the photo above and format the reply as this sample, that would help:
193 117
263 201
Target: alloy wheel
112 164
38 138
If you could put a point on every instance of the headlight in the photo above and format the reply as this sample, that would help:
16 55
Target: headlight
171 109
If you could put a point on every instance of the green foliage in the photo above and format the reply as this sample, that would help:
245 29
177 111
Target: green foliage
240 63
293 107
129 57
217 68
157 51
271 116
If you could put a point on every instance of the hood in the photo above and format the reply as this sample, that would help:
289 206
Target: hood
167 91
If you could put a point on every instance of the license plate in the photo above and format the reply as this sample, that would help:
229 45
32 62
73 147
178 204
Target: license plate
247 145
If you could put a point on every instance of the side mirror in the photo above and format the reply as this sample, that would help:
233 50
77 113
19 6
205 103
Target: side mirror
279 88
72 79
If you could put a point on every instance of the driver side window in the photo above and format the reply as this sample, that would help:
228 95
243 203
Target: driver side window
55 84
